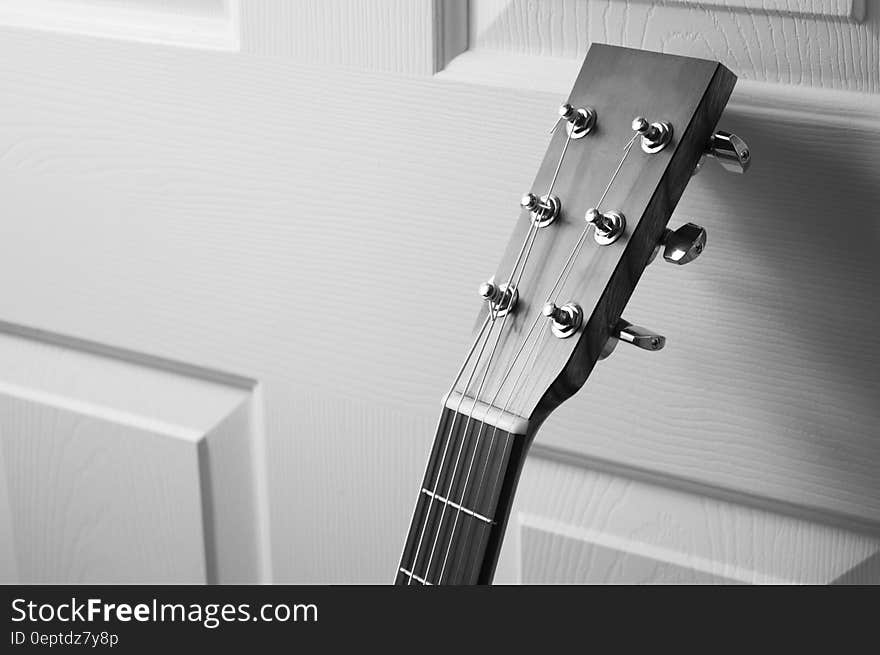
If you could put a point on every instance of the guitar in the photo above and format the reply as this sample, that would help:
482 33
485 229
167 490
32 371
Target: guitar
627 141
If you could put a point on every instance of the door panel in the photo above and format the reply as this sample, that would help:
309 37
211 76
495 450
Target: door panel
572 525
813 43
120 471
272 213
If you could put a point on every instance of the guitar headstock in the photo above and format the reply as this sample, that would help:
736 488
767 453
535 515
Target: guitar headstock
629 138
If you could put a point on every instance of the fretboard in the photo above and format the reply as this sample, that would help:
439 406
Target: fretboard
463 505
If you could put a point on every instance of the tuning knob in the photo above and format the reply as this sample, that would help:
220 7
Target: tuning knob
730 151
684 245
609 225
501 297
633 335
565 320
580 121
655 136
544 209
639 336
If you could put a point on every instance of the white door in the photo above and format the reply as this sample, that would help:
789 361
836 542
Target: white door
217 219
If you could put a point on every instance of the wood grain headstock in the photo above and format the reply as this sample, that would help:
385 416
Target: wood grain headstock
527 370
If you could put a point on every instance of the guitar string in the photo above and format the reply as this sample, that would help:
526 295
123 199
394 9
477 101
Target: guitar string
446 397
490 319
493 315
489 450
561 284
567 266
556 289
488 366
528 357
470 416
566 272
487 369
473 409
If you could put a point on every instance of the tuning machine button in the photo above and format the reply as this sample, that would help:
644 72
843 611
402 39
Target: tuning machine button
609 225
544 210
729 150
655 136
633 335
579 121
565 320
685 244
501 297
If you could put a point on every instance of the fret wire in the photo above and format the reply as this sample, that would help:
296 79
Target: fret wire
413 576
470 521
460 508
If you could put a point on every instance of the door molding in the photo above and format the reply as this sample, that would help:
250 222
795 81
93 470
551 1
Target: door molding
123 467
211 25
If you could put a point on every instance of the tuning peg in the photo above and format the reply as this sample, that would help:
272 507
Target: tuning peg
609 225
655 136
501 297
730 151
544 210
634 335
683 245
580 121
565 320
639 336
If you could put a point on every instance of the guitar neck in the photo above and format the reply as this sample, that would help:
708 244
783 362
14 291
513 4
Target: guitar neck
462 508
